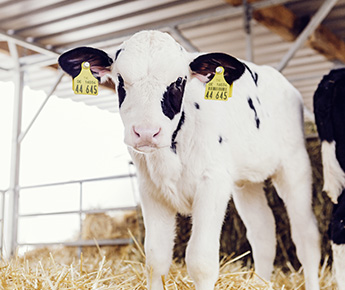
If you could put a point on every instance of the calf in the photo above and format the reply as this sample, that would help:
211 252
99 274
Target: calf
193 154
329 109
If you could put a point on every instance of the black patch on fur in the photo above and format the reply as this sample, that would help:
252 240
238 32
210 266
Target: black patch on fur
337 225
174 135
254 75
117 53
121 91
251 105
172 98
197 106
329 108
220 140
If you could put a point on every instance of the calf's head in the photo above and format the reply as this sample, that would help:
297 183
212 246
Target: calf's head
151 72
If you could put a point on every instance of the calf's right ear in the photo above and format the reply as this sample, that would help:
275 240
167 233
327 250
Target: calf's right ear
99 61
204 67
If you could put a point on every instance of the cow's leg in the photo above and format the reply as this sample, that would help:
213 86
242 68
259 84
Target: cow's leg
159 223
293 183
202 254
339 264
337 229
252 206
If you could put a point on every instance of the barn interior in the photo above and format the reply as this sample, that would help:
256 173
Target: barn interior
302 39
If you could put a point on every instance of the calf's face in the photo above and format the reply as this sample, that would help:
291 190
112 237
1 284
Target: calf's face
150 72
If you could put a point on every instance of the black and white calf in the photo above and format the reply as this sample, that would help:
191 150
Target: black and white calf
329 109
192 154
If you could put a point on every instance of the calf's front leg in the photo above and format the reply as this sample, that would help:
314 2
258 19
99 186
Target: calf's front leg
202 255
159 222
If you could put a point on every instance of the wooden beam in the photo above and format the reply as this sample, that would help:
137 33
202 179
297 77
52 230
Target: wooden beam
327 43
280 20
285 23
4 47
239 2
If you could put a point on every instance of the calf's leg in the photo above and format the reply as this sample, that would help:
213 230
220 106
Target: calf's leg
293 184
159 223
202 254
337 229
257 216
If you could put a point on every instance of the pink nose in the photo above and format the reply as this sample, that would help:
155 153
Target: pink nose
146 135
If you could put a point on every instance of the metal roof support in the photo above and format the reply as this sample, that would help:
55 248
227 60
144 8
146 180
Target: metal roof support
247 16
323 11
12 199
176 33
27 44
58 80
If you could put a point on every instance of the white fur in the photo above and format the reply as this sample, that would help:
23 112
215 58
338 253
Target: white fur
339 264
203 174
334 176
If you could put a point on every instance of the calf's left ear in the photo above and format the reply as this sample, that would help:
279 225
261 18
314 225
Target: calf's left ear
71 61
204 67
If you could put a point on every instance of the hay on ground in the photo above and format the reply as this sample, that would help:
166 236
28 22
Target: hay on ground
61 269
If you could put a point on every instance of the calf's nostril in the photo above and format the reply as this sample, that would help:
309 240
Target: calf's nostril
146 133
136 132
156 134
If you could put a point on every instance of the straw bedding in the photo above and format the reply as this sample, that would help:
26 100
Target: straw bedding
51 269
122 267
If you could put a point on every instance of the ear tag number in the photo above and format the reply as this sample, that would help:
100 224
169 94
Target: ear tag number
85 83
217 88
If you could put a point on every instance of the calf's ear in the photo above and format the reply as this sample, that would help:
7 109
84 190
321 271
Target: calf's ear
204 67
71 61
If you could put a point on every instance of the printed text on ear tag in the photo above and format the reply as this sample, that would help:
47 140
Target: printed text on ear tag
85 83
217 88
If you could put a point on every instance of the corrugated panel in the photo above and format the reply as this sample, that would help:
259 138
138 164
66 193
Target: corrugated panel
201 24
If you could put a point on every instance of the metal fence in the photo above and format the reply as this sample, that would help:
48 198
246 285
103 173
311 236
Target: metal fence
80 211
2 209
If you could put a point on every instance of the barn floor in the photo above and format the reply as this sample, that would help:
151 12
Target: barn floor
123 268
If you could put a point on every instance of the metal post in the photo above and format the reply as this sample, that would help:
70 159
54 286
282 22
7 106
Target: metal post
3 192
247 16
11 222
80 216
312 25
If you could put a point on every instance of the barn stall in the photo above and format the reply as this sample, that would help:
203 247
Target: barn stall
303 40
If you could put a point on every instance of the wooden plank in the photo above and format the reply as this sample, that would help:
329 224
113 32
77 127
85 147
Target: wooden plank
239 2
327 43
280 20
4 47
285 23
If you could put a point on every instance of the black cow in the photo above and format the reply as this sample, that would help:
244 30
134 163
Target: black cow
329 110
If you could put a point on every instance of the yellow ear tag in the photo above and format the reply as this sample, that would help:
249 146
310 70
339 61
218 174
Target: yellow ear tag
217 88
85 83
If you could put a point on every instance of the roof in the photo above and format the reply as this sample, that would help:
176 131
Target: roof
42 30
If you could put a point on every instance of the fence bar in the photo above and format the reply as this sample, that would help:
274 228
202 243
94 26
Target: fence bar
89 211
78 180
83 243
80 243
